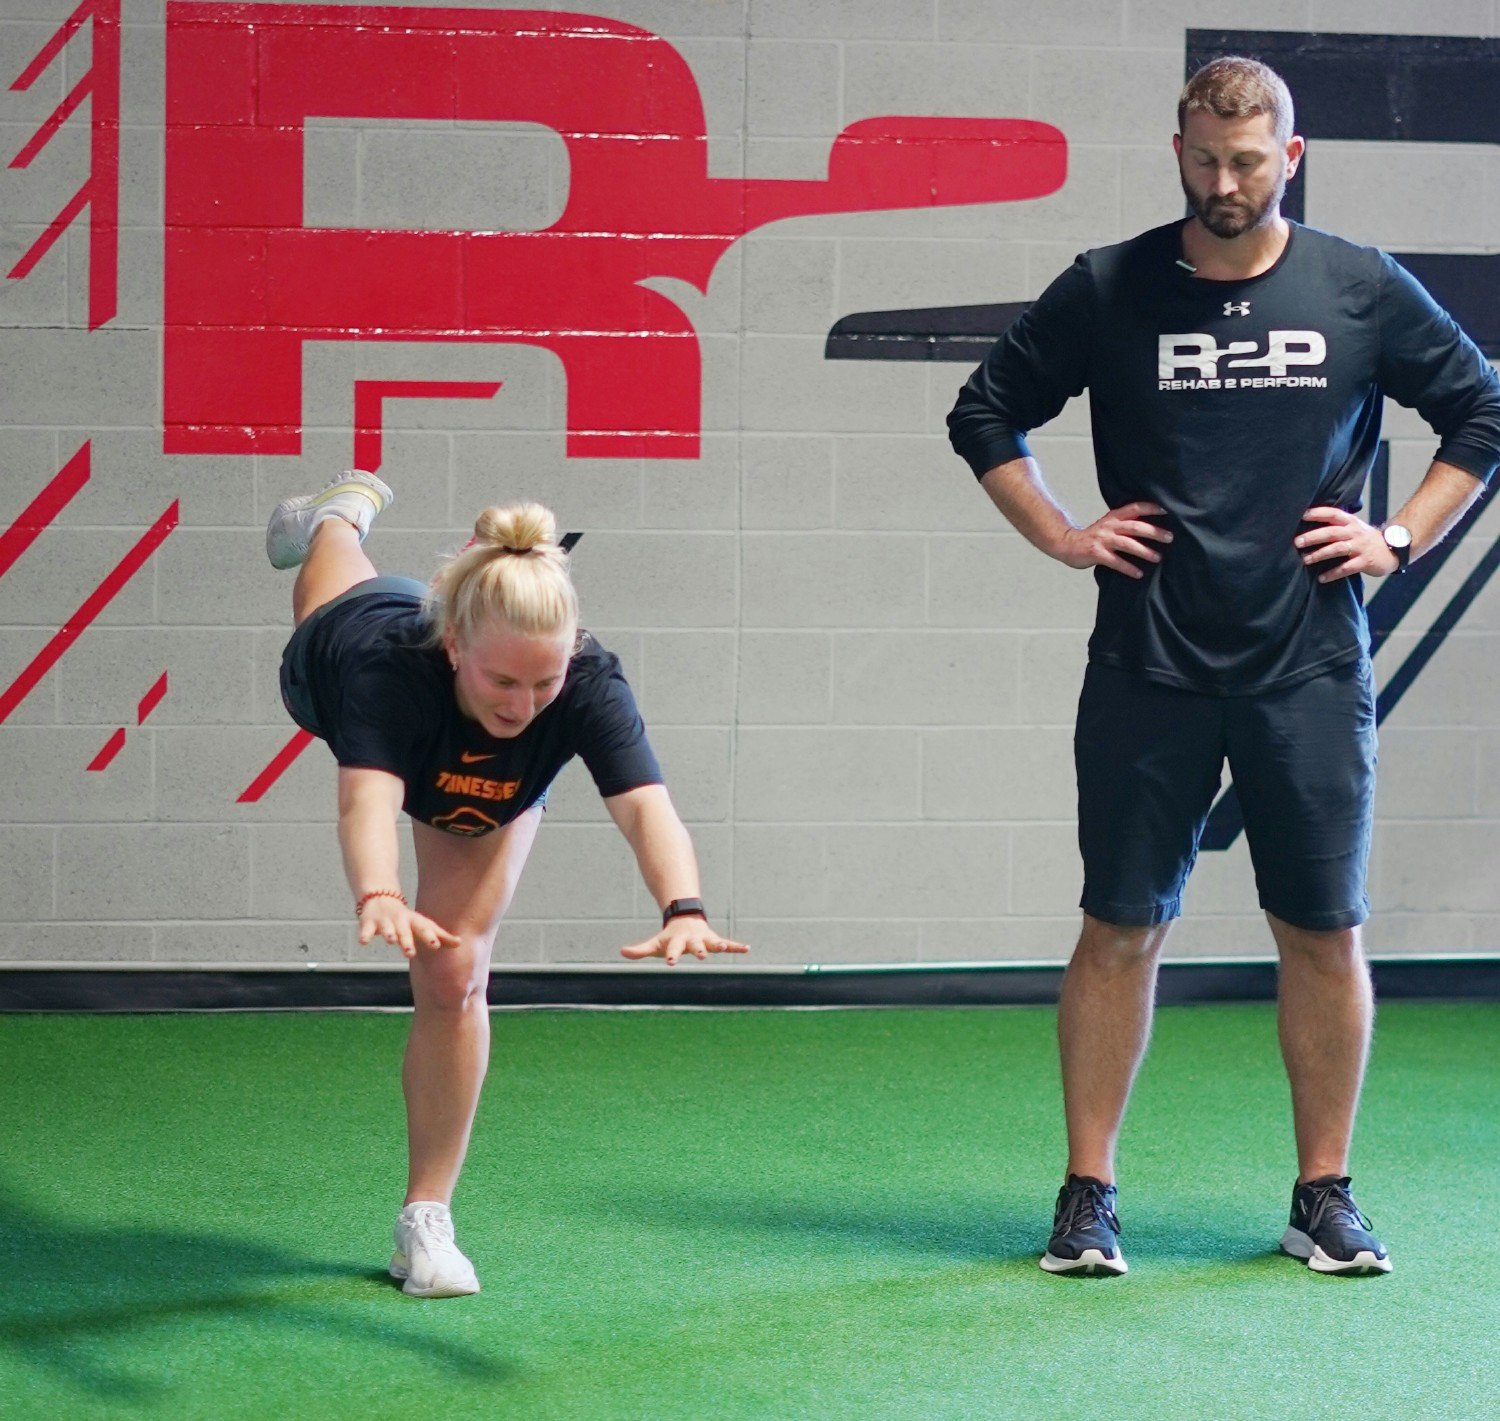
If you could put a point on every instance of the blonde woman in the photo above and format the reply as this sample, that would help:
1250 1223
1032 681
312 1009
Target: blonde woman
459 703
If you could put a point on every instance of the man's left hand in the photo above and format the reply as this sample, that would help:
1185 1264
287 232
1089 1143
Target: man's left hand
1347 542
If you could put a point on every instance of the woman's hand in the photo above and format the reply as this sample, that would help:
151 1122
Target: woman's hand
685 934
401 926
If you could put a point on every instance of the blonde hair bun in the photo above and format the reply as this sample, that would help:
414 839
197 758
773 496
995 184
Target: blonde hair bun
514 571
518 528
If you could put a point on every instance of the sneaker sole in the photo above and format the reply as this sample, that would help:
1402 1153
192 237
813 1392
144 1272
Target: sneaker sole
1297 1244
398 1269
1090 1262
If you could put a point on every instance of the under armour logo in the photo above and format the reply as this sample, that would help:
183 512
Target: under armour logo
1236 308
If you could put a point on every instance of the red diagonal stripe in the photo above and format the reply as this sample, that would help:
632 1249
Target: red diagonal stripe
83 618
32 72
60 224
274 771
151 700
108 750
40 512
60 115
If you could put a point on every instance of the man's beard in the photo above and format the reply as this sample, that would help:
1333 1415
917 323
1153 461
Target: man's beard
1233 217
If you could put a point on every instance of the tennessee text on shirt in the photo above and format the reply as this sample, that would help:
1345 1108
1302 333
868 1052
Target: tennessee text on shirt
476 786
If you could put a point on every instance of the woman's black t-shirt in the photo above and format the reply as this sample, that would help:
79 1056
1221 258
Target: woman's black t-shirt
384 700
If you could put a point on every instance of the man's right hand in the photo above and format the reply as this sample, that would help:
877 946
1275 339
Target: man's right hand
1120 531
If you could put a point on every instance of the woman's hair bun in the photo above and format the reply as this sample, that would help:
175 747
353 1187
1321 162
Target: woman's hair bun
514 571
518 528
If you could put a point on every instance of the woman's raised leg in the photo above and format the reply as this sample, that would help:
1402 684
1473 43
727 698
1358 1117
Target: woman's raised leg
335 562
320 535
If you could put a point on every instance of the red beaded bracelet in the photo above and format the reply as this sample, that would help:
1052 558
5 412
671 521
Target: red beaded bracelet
359 907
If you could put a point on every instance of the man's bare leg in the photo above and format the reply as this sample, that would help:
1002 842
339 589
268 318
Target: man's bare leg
1326 1011
1103 1025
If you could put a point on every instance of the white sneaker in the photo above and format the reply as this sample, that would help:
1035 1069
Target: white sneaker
426 1256
354 496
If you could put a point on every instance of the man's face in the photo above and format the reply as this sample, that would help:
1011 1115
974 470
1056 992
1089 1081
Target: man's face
1233 170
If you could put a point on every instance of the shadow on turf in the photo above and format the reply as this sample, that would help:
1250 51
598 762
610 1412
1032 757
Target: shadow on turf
974 1232
70 1291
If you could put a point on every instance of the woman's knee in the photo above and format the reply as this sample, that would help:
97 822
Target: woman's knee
451 979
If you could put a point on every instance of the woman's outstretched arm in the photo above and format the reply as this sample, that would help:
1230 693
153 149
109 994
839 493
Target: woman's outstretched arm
664 851
369 801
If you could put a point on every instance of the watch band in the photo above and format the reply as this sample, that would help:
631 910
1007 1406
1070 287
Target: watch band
683 908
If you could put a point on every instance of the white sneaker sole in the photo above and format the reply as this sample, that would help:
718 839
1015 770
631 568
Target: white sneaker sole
1300 1245
1089 1262
438 1288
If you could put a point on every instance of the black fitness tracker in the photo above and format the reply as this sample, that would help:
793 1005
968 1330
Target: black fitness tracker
683 908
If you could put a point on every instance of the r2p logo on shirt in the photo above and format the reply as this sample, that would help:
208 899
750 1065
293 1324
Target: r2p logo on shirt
1199 355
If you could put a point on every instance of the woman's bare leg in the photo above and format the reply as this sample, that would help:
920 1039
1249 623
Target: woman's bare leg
465 885
335 562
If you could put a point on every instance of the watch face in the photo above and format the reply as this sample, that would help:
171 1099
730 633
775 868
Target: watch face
1396 536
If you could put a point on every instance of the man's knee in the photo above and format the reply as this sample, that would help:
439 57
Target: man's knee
1102 941
1334 948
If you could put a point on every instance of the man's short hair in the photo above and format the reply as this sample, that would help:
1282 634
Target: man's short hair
1236 87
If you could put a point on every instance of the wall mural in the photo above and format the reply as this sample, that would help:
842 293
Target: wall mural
247 282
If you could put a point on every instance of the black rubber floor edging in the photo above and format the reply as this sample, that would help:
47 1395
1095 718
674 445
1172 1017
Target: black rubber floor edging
109 990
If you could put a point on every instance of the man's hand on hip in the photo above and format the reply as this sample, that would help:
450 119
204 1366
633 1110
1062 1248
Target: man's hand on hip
1347 543
1121 530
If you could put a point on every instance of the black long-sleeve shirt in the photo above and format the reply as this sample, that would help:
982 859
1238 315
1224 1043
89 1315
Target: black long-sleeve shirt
1235 405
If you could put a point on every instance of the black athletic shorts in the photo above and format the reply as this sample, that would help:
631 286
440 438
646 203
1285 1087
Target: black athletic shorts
296 675
1149 760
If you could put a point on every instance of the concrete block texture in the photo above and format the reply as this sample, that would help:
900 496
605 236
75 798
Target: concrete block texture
860 680
966 871
924 677
428 175
826 775
802 580
44 771
27 855
152 872
81 943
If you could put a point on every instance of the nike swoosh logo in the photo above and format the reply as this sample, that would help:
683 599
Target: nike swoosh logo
469 759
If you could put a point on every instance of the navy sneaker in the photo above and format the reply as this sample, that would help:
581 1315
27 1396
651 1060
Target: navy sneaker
1085 1232
1328 1230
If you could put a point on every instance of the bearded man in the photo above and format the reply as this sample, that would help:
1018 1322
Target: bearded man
1236 364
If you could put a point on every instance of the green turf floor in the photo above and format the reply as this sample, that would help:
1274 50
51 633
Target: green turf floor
725 1215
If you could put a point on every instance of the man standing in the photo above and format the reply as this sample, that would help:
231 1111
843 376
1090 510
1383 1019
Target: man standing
1236 363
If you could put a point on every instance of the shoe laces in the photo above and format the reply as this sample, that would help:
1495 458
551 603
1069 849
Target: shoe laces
434 1226
1333 1202
1084 1204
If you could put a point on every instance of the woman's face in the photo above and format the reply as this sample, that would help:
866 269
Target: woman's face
503 679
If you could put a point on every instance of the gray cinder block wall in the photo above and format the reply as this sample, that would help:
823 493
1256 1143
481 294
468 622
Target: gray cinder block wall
859 680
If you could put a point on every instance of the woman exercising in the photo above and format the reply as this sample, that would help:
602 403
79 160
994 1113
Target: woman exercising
459 703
